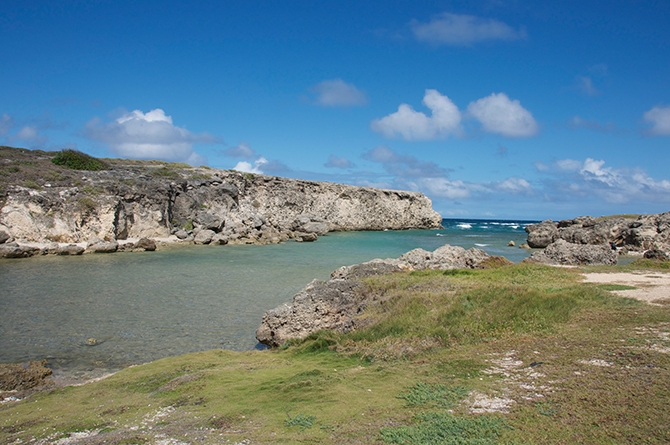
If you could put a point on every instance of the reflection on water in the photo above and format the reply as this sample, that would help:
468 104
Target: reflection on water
99 313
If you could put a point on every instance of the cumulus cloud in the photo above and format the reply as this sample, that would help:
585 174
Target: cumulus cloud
498 114
460 29
338 93
659 118
6 122
150 135
414 125
607 127
403 166
339 162
241 150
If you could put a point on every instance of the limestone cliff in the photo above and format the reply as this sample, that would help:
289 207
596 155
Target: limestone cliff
132 200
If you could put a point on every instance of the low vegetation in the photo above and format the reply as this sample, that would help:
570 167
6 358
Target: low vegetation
521 354
77 160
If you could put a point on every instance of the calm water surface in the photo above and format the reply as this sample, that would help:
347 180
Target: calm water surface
145 306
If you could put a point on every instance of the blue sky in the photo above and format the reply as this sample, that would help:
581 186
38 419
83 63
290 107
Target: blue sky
492 108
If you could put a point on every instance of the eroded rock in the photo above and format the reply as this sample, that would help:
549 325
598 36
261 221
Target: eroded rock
562 252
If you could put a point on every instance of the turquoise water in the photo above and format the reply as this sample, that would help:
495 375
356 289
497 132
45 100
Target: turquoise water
145 306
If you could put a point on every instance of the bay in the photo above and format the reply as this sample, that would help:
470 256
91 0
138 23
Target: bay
94 314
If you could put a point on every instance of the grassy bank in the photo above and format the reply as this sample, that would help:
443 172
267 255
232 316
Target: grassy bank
523 354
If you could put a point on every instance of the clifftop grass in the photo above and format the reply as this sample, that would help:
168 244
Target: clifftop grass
564 362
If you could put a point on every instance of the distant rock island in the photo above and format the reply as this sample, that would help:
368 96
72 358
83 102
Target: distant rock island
66 202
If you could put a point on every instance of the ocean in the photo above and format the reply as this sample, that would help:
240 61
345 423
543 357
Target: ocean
143 306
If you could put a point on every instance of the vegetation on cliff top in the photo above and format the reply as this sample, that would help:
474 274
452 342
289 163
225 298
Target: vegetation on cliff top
77 160
517 355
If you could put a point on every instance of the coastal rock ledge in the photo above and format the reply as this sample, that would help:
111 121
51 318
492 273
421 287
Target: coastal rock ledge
334 304
130 201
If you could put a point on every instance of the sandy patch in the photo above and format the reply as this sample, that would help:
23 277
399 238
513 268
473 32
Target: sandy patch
651 287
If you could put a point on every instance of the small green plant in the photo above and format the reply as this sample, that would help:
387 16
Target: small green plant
447 429
248 176
77 160
31 184
300 420
13 169
423 394
166 172
611 287
86 203
188 225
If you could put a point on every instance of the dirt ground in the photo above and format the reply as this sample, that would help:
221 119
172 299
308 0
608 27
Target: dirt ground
651 287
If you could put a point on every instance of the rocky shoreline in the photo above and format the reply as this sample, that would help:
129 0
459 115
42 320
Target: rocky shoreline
134 205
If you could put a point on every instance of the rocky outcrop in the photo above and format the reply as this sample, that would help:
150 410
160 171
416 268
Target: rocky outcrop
199 205
335 304
561 252
646 232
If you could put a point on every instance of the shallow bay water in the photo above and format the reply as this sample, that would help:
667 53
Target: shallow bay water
144 306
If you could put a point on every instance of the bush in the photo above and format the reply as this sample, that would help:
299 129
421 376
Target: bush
77 160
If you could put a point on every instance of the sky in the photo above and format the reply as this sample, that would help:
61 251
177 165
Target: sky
493 108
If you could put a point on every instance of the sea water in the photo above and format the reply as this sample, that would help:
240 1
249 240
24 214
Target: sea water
92 314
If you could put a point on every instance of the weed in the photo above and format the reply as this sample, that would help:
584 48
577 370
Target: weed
31 184
300 420
86 203
77 160
165 172
444 428
423 394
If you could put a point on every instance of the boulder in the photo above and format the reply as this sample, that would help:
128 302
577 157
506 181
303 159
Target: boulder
542 234
204 236
562 252
219 239
13 250
655 254
17 377
69 249
4 237
311 224
99 246
146 244
511 244
181 234
306 237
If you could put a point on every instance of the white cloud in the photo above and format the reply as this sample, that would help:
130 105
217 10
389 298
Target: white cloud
339 162
515 186
540 166
403 166
6 122
459 29
659 118
498 114
569 164
246 167
30 134
414 125
241 150
137 135
338 93
591 178
444 188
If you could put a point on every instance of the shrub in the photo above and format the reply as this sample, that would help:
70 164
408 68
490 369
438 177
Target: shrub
77 160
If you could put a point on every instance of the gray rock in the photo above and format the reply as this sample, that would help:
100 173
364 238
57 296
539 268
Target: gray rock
4 237
562 252
70 249
103 247
542 234
219 239
204 236
305 237
13 250
146 243
655 254
181 234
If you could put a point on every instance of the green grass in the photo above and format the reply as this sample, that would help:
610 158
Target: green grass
433 341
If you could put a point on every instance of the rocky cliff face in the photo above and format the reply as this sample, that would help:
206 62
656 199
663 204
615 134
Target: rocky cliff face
646 232
157 200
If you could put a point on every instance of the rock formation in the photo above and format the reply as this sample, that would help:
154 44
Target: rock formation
646 232
562 252
334 304
131 200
